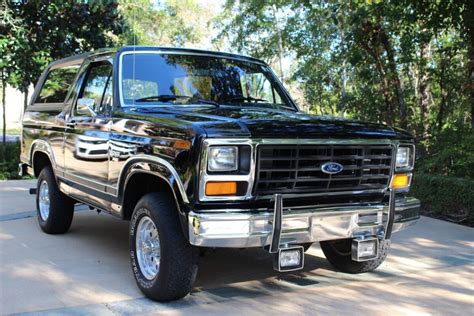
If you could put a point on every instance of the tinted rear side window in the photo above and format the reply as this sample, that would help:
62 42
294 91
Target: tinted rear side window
57 84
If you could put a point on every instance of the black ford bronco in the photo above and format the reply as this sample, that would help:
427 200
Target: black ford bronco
206 149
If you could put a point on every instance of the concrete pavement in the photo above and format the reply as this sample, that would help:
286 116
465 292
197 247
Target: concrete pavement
87 271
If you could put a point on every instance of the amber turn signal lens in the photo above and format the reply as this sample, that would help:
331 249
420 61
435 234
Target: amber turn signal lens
400 181
221 188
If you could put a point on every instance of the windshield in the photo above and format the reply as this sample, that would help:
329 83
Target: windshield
150 80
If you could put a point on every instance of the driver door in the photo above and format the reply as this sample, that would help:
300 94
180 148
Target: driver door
88 129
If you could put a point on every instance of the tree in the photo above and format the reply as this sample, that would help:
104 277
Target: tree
257 28
406 63
55 29
174 22
9 43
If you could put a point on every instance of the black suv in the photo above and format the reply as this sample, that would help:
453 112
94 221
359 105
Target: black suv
207 149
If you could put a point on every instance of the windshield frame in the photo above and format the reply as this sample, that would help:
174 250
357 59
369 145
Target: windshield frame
285 95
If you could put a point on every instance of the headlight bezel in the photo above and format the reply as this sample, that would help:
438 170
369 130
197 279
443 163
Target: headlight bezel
243 175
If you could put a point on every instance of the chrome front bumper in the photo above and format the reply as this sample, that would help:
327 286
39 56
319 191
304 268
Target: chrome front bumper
253 228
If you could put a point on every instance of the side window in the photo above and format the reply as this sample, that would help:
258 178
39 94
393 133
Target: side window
98 87
56 85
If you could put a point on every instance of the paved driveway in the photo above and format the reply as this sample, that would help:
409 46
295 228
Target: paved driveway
429 271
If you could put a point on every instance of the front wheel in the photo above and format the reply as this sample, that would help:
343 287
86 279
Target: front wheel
339 254
164 263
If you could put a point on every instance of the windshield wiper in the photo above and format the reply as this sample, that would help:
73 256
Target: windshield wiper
162 97
172 97
242 98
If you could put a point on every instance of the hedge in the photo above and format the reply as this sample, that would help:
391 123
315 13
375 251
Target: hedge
9 159
444 197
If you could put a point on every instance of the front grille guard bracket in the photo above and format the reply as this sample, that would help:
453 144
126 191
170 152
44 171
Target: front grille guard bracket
278 217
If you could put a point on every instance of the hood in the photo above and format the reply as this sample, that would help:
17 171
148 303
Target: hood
268 123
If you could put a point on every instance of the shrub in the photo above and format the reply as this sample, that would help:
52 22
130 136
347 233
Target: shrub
445 197
451 153
9 160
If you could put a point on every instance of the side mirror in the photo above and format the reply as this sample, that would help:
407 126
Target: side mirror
85 107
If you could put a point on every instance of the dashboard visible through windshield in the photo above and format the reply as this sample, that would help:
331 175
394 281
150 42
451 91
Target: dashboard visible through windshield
150 79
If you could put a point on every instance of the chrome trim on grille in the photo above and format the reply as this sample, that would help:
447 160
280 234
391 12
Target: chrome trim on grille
254 143
298 168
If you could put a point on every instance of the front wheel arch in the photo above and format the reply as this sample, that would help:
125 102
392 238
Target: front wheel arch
40 161
140 183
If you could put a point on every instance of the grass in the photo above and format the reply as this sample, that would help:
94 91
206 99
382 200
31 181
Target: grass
11 130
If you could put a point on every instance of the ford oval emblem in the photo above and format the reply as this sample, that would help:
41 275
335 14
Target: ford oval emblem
331 167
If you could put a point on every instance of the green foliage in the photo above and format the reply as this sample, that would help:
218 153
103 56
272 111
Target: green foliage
404 62
172 22
451 154
445 197
50 30
9 160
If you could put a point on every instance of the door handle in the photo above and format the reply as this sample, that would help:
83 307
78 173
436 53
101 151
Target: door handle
71 124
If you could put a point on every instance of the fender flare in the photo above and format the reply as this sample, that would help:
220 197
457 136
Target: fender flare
155 166
42 146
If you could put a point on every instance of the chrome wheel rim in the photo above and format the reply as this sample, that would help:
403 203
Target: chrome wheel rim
44 202
147 245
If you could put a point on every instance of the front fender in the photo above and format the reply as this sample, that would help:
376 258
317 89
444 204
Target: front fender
43 146
155 166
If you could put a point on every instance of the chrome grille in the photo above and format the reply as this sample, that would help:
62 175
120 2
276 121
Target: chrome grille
297 168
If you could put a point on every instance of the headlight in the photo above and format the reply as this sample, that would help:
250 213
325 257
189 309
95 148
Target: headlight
403 157
222 159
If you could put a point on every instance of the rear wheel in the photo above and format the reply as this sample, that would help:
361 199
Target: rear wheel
55 210
164 263
339 254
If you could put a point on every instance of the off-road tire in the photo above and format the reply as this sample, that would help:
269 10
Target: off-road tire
61 209
178 258
338 253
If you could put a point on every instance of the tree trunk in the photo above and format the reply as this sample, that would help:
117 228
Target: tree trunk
471 78
469 17
280 41
370 41
4 107
395 78
423 87
25 100
385 89
342 103
384 85
442 105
